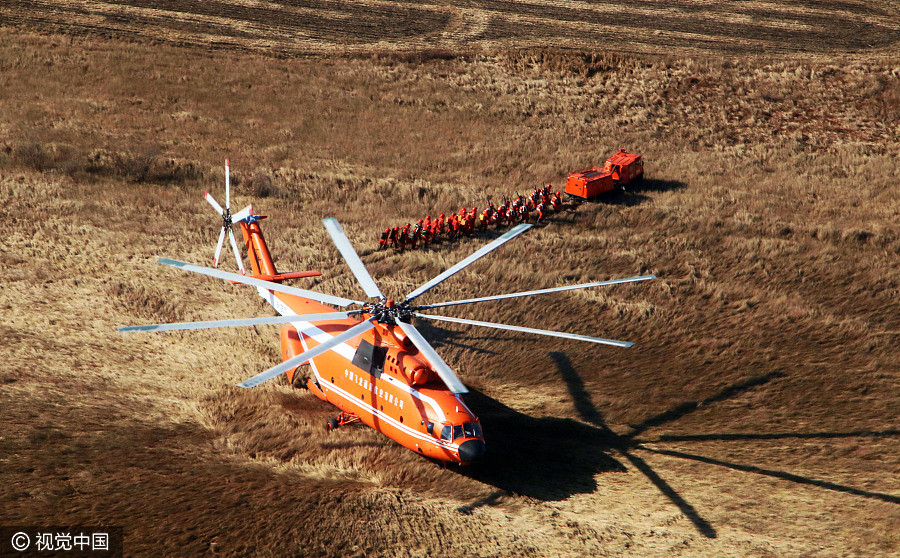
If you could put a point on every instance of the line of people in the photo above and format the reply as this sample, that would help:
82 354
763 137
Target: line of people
522 209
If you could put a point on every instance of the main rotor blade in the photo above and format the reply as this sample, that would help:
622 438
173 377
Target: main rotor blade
238 322
237 253
527 330
503 239
212 201
354 331
320 297
442 368
352 258
541 291
219 247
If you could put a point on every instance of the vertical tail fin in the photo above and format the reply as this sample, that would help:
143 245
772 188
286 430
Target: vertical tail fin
258 253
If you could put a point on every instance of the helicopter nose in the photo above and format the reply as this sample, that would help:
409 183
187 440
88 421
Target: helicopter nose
471 450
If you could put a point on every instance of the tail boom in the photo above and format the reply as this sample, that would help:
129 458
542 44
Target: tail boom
258 253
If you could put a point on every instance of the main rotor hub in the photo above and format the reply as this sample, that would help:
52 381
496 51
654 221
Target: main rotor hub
389 312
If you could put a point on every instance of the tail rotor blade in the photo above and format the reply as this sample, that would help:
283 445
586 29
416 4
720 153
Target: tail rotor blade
212 201
354 331
242 214
219 247
243 279
527 330
442 368
180 326
541 291
227 186
507 236
237 253
352 258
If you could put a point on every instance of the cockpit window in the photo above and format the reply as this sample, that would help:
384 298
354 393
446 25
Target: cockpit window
467 429
445 433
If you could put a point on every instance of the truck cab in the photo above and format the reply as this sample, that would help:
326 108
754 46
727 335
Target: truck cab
624 167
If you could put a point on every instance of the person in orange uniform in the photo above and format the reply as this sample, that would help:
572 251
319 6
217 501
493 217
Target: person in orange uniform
416 237
525 213
501 213
404 237
454 226
512 214
395 237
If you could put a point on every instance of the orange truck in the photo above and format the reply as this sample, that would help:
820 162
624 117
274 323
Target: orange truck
620 169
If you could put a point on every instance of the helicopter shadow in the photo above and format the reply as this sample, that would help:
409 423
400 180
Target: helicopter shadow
547 458
550 458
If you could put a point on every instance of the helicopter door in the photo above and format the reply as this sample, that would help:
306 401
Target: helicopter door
370 358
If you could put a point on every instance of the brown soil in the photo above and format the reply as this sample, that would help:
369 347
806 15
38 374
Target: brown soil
756 416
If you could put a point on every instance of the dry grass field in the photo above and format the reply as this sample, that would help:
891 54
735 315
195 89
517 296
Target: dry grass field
756 416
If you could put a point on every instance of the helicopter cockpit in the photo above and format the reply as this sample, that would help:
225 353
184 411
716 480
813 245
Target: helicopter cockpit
469 437
449 433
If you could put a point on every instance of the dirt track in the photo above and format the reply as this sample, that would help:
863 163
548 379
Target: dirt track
756 416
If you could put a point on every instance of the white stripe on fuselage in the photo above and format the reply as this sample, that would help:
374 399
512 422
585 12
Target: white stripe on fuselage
311 330
374 411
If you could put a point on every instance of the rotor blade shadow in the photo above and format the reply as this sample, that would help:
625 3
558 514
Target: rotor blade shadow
690 406
688 510
585 407
439 337
778 474
778 436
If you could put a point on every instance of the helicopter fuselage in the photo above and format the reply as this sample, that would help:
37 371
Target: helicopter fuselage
380 378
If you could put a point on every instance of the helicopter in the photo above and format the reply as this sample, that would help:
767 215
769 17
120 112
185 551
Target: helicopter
370 362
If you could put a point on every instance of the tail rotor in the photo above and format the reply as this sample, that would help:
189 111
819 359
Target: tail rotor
228 220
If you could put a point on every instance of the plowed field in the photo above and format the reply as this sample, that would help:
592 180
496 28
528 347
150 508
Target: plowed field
323 26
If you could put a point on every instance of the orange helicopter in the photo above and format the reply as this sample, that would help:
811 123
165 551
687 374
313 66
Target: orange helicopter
371 362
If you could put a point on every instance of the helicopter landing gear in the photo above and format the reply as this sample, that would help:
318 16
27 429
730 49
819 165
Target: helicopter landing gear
299 381
342 420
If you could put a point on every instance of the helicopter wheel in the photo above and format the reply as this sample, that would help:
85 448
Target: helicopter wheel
332 424
299 381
